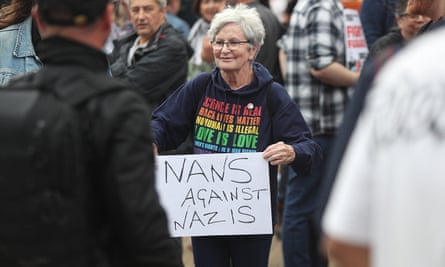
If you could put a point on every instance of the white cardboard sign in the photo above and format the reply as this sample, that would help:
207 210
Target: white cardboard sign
215 194
356 48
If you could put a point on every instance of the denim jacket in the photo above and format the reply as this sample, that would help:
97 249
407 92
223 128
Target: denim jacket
17 54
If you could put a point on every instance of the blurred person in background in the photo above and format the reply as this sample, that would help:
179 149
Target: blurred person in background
431 9
18 37
347 252
318 80
145 59
173 7
202 59
268 54
407 27
385 209
123 20
377 17
121 25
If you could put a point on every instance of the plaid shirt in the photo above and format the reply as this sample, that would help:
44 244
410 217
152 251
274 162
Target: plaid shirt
315 39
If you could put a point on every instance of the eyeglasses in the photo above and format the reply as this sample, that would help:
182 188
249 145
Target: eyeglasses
412 16
232 45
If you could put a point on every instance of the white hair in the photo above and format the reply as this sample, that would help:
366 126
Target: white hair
247 18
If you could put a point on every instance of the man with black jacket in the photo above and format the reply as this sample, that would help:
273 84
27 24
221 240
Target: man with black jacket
128 226
155 58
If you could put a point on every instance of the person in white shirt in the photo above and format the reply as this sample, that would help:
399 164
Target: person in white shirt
386 205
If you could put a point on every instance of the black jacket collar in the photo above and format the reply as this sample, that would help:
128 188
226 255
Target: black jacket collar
61 51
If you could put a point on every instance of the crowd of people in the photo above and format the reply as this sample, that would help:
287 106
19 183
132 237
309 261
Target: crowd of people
354 155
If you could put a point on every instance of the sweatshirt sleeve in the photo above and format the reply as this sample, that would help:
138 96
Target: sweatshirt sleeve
173 120
291 128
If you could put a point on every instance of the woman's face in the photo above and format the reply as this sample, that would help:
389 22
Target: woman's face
236 54
208 8
410 24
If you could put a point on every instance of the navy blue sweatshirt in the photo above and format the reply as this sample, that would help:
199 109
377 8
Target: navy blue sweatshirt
223 120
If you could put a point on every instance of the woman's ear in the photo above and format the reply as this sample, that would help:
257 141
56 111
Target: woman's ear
253 52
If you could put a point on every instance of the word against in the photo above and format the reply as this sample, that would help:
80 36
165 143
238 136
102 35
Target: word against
215 194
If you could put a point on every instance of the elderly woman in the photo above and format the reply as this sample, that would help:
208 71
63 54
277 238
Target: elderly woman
246 90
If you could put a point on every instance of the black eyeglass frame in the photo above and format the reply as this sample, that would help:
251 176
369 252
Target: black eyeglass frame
231 45
410 16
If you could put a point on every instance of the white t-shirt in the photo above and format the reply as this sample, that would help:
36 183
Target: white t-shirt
133 49
390 189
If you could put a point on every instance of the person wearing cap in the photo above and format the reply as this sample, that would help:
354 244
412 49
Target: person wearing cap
18 36
154 58
123 223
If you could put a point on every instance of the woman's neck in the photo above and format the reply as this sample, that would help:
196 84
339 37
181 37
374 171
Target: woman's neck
237 80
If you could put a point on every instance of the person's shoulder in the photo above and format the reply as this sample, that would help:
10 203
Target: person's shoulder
274 89
125 40
312 8
279 90
173 40
201 79
327 3
429 44
304 6
266 14
432 26
106 85
16 34
417 61
10 28
171 36
118 94
177 22
392 38
168 31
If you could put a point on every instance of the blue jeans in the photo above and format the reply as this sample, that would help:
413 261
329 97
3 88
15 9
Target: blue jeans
300 231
